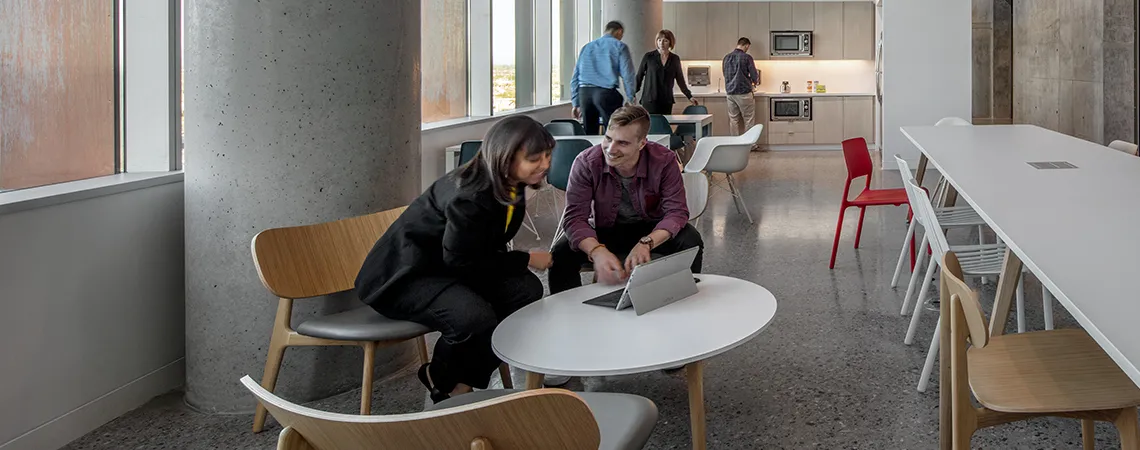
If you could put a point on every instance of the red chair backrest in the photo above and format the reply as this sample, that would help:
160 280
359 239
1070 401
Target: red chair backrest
857 157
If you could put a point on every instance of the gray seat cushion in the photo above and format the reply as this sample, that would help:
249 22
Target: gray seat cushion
625 421
361 324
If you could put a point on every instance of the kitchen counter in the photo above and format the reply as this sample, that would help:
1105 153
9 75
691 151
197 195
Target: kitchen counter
777 94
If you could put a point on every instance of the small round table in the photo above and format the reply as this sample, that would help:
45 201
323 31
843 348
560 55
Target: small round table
559 335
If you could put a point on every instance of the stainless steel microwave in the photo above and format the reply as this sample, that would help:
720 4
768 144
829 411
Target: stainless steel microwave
790 109
791 43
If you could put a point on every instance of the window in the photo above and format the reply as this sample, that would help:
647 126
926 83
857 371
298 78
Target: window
58 120
443 60
503 55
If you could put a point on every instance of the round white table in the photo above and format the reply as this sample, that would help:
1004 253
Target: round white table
559 335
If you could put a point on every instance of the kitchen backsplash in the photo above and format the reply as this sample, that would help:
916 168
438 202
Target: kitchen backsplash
845 76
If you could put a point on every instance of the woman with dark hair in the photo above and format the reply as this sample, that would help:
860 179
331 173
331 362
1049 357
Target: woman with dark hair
659 70
445 262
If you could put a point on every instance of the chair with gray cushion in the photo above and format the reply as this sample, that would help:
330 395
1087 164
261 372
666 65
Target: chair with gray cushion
561 128
467 151
496 419
579 130
311 261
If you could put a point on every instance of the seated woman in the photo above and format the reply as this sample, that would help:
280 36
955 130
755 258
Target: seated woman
444 263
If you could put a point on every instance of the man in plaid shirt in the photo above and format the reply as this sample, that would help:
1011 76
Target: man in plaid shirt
740 76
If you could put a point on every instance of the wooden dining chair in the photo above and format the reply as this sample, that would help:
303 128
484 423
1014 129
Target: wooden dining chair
484 420
1060 373
316 260
858 161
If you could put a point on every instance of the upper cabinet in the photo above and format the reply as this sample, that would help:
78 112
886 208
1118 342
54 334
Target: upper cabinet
723 30
709 30
827 40
858 30
753 23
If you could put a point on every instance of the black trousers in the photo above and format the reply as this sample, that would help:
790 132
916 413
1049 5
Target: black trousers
663 108
619 239
465 313
596 103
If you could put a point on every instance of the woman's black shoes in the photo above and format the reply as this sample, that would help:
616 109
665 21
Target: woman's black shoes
436 395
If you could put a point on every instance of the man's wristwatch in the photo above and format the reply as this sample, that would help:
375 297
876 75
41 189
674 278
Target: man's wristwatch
648 241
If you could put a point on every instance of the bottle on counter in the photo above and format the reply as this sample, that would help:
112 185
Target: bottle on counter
809 87
817 86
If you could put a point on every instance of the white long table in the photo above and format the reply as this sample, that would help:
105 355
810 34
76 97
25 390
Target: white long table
699 122
451 158
1075 229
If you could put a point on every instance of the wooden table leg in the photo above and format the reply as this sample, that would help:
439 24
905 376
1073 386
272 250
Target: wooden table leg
920 171
694 373
1007 287
534 380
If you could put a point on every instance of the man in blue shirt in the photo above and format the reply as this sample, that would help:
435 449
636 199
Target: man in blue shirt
593 88
740 76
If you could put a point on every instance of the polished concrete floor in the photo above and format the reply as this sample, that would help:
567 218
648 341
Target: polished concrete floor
829 372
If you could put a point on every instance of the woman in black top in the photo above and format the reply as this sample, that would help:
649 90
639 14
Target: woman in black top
659 69
445 264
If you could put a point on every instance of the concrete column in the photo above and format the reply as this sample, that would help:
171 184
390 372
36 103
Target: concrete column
642 20
297 112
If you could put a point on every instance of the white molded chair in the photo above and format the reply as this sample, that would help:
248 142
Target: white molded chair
1126 147
696 193
727 155
542 418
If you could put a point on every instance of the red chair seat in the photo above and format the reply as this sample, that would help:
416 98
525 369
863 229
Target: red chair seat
875 197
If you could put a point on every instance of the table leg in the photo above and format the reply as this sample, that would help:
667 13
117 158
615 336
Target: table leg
534 380
694 373
1007 287
920 172
699 129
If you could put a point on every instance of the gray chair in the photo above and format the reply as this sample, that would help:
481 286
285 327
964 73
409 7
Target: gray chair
561 128
467 151
495 419
579 130
625 421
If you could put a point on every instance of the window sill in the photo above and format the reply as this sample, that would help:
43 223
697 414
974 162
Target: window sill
471 120
56 194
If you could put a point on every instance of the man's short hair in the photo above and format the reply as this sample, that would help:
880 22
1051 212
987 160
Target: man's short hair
743 41
632 114
613 26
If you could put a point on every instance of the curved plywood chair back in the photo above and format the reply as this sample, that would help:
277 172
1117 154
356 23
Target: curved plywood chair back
534 419
321 259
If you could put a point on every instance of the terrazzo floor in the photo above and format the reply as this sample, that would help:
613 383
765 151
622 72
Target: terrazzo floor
829 372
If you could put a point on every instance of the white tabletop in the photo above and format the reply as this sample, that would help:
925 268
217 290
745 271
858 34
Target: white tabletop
1076 229
703 119
559 335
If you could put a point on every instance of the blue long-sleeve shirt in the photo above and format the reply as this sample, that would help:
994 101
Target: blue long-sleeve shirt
600 63
739 73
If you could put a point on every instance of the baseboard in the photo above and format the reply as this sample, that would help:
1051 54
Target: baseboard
82 420
810 147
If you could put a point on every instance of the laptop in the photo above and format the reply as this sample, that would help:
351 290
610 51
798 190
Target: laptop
655 284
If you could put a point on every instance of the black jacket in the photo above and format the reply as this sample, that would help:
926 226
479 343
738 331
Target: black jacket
446 232
655 80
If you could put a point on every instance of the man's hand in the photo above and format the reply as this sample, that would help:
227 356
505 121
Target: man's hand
608 267
540 260
577 113
638 256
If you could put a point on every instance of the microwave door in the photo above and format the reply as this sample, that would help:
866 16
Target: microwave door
786 109
787 43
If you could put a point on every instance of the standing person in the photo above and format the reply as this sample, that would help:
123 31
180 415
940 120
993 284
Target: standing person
633 191
740 76
659 70
444 263
593 87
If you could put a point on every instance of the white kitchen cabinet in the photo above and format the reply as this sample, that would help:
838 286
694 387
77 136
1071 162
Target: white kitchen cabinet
827 40
763 112
780 16
723 20
827 116
858 30
803 16
692 24
858 118
753 23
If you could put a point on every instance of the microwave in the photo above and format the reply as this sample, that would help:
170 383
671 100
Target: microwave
791 43
787 109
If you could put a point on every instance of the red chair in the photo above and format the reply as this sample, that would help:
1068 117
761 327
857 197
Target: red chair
859 165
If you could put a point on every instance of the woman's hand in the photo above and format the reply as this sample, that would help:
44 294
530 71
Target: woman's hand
693 101
540 260
577 113
608 267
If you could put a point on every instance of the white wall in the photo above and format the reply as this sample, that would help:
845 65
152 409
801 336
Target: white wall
927 68
437 138
93 314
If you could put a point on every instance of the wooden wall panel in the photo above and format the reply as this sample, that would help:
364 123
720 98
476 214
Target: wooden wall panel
57 91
